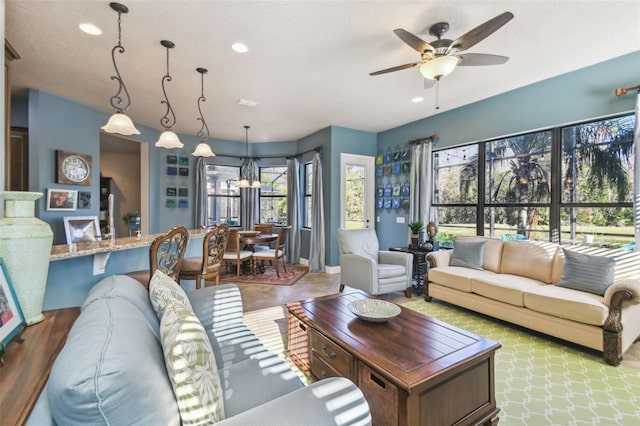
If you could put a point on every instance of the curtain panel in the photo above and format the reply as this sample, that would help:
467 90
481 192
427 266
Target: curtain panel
202 214
317 241
293 210
421 181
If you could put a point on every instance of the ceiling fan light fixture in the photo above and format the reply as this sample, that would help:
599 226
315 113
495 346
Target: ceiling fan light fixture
120 123
169 140
440 67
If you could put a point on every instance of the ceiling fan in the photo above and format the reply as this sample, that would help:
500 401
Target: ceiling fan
441 56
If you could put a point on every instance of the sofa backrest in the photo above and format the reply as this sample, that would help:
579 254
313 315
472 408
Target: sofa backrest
363 242
529 259
492 251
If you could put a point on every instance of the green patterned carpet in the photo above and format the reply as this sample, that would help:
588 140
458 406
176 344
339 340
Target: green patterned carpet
539 380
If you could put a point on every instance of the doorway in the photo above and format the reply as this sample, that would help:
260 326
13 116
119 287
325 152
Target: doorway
356 191
126 162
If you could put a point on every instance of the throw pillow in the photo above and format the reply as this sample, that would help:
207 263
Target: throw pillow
163 288
468 254
191 366
593 274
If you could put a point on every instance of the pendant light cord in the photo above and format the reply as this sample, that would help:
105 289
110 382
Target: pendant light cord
118 102
201 133
169 118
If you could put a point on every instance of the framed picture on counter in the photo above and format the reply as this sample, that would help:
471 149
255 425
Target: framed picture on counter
62 200
11 318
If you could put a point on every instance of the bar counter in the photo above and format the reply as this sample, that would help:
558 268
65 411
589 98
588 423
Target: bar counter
69 251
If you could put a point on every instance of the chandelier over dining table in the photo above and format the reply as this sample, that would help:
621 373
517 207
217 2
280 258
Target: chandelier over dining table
248 178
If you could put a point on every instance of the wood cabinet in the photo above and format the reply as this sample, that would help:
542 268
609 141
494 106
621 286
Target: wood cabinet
412 369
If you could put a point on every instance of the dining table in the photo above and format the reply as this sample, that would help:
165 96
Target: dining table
249 242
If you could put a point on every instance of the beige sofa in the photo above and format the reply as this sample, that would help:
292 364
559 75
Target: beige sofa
517 285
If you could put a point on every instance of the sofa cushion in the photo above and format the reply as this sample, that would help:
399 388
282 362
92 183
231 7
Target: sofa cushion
492 251
584 272
561 302
455 277
111 369
504 287
234 344
468 254
191 365
162 289
527 259
256 381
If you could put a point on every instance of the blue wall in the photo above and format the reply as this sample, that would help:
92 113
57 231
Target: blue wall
580 95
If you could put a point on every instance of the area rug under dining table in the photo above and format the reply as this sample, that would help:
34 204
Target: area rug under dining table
539 380
269 276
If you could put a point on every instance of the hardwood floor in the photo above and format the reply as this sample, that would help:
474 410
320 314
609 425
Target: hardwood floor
313 284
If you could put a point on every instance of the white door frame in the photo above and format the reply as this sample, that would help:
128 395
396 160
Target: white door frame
369 186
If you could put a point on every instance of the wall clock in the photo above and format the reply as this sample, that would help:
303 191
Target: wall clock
73 168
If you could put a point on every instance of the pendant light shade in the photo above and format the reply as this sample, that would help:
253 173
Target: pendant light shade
439 67
168 139
203 149
119 122
247 167
243 183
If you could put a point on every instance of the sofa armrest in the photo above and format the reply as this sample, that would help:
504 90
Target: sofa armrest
396 258
630 285
439 258
334 401
218 306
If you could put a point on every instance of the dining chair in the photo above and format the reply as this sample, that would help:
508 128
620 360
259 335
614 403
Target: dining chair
264 228
165 253
234 253
276 253
207 266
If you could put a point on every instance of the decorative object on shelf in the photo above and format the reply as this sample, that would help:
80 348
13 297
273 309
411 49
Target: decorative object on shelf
62 200
203 149
119 122
432 231
131 218
81 229
374 310
247 168
168 139
25 246
11 317
416 227
73 168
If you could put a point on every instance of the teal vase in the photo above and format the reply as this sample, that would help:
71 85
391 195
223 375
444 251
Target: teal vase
25 246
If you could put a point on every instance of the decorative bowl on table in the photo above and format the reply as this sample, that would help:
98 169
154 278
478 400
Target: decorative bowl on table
374 310
248 233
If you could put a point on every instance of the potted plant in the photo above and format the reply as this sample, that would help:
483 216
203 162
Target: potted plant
131 218
416 227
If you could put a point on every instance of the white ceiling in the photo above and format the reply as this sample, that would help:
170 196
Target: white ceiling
308 62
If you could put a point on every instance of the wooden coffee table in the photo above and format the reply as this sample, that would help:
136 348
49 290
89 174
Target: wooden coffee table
413 369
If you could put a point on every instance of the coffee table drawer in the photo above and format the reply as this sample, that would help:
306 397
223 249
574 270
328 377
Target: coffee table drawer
333 355
321 370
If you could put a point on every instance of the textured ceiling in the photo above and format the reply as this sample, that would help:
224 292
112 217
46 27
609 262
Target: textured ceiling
308 62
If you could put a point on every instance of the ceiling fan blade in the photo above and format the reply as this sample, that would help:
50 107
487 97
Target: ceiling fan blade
398 68
415 42
479 33
476 59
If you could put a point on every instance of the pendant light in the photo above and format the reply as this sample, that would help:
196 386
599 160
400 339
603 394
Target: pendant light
247 166
168 139
203 149
119 122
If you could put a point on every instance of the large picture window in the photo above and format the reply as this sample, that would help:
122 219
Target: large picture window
223 196
273 195
573 184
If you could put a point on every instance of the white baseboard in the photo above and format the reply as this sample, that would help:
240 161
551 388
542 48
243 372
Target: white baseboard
327 269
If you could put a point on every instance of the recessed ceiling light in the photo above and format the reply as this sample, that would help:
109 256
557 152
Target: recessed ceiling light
240 47
417 99
247 102
90 29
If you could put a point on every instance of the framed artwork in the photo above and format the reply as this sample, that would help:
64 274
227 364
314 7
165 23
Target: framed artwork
62 200
396 156
184 171
73 168
404 203
171 191
387 170
172 159
11 318
406 167
405 155
395 203
81 229
387 191
84 200
404 191
380 192
396 190
171 203
379 170
379 202
183 192
396 169
172 171
387 203
183 160
387 158
183 203
379 159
